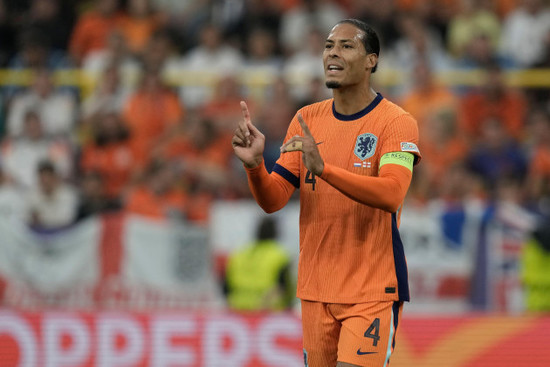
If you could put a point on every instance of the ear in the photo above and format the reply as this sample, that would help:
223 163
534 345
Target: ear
371 61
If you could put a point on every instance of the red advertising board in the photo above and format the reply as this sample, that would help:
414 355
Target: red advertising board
75 339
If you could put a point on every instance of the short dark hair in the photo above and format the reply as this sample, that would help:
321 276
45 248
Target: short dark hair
267 229
371 42
46 166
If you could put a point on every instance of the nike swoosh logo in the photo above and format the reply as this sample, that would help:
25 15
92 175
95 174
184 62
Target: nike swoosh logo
359 353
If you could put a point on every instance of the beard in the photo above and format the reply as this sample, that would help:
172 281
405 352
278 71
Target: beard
332 84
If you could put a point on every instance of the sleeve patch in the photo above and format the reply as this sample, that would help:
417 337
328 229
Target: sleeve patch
409 147
400 158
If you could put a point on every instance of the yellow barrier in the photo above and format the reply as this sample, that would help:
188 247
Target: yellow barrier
528 78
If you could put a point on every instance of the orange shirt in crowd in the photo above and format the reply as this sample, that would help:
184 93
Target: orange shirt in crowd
217 152
437 157
90 33
539 172
149 116
423 103
116 162
143 201
477 108
138 31
540 163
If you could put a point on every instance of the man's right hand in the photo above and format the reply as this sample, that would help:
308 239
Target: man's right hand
248 142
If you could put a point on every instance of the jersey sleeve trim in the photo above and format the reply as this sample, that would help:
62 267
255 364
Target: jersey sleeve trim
287 175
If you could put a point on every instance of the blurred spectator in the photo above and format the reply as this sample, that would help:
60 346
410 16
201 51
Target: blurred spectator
202 150
538 181
8 35
151 112
473 19
224 107
138 24
262 62
211 59
428 98
275 114
442 147
56 109
382 15
12 199
496 156
116 53
53 18
299 20
261 14
93 199
161 54
493 99
21 154
52 204
258 275
111 155
93 28
160 197
305 65
480 54
228 15
34 51
541 96
419 43
109 95
524 31
185 18
204 155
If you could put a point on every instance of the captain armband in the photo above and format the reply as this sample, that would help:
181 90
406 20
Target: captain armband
401 158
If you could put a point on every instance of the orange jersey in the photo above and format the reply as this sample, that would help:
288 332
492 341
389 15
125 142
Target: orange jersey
349 252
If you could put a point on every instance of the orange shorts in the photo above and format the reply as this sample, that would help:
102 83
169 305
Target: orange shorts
362 334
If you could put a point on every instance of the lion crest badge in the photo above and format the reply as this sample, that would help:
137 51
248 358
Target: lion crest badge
365 146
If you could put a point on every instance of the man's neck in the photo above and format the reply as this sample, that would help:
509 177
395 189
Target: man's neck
348 101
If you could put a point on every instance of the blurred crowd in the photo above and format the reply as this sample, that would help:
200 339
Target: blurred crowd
152 133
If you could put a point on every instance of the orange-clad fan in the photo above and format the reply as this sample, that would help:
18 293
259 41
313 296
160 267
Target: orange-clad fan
93 28
112 155
138 24
152 112
160 196
493 99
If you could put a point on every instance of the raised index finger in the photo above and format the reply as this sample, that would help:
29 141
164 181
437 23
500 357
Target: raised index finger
246 114
304 125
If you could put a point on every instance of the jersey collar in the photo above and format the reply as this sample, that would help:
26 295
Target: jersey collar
359 114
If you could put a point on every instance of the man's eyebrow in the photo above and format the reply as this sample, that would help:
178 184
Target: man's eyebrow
340 41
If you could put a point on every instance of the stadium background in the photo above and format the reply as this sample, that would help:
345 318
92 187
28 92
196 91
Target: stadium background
134 103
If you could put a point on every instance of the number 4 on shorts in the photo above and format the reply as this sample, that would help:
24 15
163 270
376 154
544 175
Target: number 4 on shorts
373 331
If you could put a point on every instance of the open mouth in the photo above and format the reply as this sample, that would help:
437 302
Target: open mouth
334 69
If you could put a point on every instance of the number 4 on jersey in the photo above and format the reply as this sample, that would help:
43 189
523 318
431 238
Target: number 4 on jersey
373 331
310 179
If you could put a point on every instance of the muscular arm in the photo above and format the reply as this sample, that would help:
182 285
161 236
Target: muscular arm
385 192
271 191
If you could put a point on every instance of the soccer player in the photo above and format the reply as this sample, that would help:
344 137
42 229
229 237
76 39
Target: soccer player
352 158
